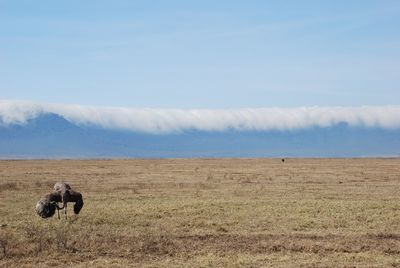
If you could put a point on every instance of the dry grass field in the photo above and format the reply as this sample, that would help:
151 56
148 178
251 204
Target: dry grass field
205 213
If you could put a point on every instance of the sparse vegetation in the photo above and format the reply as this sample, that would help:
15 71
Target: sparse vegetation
205 213
8 186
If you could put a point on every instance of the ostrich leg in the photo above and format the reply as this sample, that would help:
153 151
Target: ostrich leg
66 198
58 210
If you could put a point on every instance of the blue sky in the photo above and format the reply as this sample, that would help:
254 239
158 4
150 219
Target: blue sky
201 54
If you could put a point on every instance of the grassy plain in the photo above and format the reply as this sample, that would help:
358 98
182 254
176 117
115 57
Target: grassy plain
205 213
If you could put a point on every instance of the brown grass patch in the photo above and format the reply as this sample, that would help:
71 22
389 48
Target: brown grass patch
205 213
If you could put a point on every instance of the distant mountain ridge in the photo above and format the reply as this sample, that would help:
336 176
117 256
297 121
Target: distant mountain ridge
51 136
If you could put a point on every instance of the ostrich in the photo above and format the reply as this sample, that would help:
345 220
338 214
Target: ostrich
62 193
47 205
68 195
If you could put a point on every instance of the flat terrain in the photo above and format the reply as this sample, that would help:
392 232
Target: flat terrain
205 213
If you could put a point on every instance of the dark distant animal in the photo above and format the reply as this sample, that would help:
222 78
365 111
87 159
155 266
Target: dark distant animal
62 193
283 160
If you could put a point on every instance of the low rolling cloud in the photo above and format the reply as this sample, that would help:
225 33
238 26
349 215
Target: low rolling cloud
176 120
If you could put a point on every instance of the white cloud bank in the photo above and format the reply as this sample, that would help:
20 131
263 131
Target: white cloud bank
175 120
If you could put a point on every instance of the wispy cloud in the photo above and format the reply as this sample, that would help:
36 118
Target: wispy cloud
175 120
